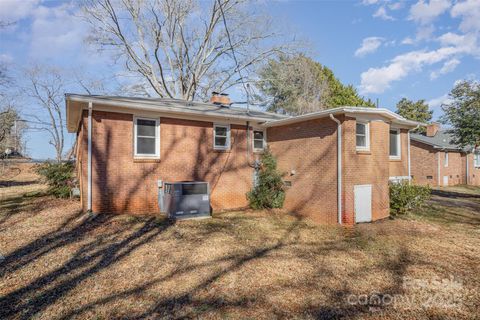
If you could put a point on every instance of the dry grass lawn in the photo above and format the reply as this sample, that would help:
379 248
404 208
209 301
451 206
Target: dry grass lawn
238 265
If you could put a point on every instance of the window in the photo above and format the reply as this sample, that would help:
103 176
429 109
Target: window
221 136
363 136
476 159
394 144
146 137
258 140
445 162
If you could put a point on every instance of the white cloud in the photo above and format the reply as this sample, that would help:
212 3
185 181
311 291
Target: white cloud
424 13
396 5
5 58
369 2
467 43
13 10
377 80
447 67
408 40
438 101
56 31
369 45
382 14
469 11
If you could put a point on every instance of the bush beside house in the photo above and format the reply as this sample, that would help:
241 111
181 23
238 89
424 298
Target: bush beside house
269 191
405 197
59 177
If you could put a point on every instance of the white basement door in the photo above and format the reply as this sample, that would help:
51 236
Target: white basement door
363 202
445 181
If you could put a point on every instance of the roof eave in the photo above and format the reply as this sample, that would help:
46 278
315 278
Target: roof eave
140 106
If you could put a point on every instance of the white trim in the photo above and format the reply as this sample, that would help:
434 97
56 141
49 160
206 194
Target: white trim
157 139
367 136
222 125
438 169
476 163
89 158
399 143
264 139
445 159
408 157
399 120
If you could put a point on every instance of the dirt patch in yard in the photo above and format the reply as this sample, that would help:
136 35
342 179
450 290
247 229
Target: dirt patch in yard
236 265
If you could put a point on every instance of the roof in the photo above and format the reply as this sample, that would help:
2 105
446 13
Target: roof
173 106
441 140
183 109
351 111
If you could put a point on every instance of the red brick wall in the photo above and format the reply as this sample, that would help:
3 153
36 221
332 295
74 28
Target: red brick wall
310 149
399 168
473 173
423 163
371 167
455 170
122 184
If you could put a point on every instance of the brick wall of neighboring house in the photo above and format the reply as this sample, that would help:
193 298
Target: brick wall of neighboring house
473 172
399 167
423 163
122 184
455 171
309 149
361 168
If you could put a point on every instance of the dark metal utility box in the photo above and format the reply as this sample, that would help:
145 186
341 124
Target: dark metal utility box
185 199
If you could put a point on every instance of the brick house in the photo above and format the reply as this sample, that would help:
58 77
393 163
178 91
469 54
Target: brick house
436 161
337 162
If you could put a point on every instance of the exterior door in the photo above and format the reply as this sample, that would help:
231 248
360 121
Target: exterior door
445 181
363 202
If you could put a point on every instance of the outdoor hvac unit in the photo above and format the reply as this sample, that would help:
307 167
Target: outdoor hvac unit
188 199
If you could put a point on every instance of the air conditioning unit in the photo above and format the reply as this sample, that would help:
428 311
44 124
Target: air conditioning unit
185 199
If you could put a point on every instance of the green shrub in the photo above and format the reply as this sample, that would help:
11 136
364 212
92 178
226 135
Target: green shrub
269 191
405 197
59 177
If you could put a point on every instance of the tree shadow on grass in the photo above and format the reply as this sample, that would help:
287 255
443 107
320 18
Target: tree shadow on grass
91 258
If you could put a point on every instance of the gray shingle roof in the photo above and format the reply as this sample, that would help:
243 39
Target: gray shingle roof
183 105
441 140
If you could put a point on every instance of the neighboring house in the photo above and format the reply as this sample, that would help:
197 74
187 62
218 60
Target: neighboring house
436 161
338 162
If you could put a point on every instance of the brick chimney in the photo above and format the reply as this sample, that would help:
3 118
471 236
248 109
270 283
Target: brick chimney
432 129
220 99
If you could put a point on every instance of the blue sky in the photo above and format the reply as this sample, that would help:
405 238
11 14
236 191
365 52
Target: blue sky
387 49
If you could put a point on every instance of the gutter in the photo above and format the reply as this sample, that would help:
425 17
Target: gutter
89 159
339 168
341 110
408 155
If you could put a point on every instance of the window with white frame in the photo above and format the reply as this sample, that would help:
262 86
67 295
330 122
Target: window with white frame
258 140
221 136
445 162
363 136
146 137
395 144
476 159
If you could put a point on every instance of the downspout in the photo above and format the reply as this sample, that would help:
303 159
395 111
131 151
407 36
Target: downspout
468 175
408 156
438 169
339 167
89 159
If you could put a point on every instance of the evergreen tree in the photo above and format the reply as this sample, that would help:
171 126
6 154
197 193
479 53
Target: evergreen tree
298 85
416 111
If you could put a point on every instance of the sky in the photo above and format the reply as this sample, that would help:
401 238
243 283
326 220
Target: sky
387 49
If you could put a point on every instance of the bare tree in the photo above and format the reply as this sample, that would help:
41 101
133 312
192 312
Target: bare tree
45 89
181 47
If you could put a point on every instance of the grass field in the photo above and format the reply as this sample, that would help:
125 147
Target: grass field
57 265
